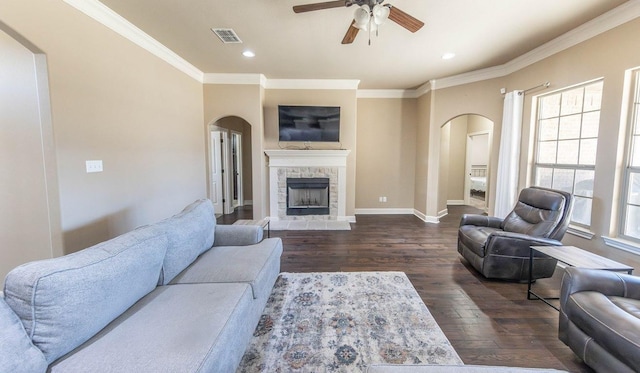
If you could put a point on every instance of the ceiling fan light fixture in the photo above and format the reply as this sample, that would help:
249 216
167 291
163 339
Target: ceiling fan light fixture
362 16
380 14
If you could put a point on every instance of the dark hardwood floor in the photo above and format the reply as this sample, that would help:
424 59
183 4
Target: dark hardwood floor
488 322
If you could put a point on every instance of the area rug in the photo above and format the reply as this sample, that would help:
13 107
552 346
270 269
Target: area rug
310 225
343 322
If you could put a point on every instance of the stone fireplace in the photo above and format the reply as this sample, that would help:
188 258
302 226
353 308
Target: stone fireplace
307 184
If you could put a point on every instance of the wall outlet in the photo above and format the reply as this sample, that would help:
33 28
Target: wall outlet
94 166
382 199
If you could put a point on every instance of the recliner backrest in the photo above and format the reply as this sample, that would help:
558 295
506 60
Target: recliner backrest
540 212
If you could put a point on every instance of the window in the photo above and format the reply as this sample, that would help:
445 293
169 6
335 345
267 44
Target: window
631 197
566 144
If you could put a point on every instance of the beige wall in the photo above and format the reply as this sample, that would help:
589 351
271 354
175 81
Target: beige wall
29 213
457 159
346 99
605 56
113 101
425 103
386 153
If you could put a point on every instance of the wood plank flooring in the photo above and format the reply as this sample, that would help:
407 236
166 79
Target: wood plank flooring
488 322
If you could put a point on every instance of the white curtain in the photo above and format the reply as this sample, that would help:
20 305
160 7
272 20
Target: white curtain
509 156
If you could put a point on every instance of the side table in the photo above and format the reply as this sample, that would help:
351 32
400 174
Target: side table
573 257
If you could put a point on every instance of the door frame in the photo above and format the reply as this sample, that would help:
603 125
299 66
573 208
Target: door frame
236 139
221 197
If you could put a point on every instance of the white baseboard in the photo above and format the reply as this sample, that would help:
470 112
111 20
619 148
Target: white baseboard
455 202
443 213
248 202
384 211
425 218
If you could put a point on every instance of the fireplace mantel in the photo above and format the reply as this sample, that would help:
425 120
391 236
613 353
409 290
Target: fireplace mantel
282 161
307 158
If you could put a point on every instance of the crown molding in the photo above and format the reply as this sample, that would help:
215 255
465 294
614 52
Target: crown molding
386 93
605 22
112 20
248 79
312 84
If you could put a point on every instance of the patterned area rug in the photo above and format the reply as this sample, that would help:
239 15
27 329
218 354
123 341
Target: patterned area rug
343 322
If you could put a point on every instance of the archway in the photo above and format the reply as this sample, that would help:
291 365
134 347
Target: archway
464 167
230 150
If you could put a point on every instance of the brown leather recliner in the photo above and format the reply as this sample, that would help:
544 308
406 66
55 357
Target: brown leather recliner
600 318
499 248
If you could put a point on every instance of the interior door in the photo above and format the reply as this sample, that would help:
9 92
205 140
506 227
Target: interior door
216 178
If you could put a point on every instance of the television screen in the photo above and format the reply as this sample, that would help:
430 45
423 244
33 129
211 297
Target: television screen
309 123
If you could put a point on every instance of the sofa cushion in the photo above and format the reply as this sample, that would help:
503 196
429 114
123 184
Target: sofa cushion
257 265
190 233
177 328
607 324
17 353
64 301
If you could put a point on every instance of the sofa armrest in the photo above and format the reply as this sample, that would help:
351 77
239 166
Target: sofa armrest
516 244
481 221
237 235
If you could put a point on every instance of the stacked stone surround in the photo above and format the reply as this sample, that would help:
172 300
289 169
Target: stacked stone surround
308 172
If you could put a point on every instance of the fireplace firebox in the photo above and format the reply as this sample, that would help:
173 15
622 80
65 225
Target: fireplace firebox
308 196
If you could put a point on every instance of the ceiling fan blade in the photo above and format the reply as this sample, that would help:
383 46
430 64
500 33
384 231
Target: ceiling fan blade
351 34
403 19
318 6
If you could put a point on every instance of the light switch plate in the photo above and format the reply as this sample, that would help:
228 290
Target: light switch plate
94 166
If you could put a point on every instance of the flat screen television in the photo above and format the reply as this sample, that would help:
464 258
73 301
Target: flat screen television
309 123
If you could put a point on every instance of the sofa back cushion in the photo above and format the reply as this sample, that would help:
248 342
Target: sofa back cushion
189 234
537 213
64 301
17 353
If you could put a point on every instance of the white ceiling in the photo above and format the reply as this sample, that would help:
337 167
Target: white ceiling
482 34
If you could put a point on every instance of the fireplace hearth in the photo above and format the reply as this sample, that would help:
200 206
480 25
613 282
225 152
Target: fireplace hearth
308 196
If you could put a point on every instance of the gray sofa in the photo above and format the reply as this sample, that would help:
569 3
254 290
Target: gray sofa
599 318
181 295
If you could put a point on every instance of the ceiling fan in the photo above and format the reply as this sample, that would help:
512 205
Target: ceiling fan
368 16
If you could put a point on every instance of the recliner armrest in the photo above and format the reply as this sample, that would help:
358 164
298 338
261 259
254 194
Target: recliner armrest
481 221
606 282
237 235
517 244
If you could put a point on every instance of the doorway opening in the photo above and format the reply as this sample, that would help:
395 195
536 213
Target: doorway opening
230 181
465 161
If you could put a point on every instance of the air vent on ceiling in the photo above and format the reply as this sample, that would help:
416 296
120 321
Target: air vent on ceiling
227 35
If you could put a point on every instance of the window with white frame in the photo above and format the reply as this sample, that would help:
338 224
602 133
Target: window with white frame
566 143
630 226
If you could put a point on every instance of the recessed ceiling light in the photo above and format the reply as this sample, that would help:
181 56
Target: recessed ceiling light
248 53
448 56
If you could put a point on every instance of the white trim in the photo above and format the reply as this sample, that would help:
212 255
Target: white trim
443 213
103 14
455 202
312 84
580 232
248 202
425 218
384 211
350 219
605 22
240 79
386 93
621 244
